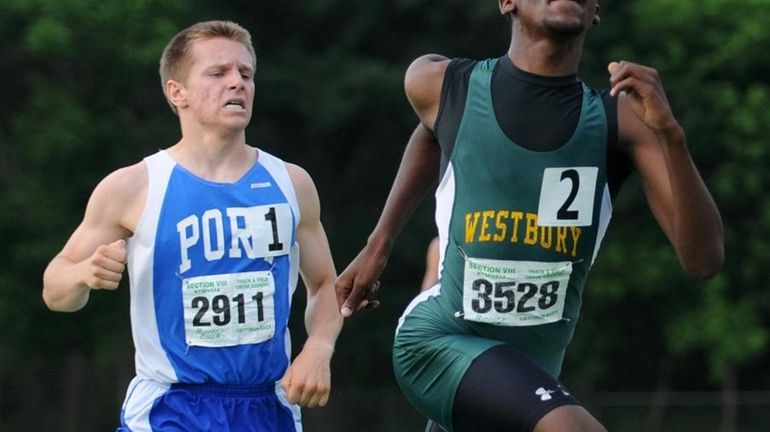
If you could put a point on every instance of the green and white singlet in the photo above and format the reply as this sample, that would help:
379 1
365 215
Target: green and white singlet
519 230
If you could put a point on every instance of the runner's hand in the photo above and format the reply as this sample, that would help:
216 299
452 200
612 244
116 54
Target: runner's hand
307 381
358 284
104 268
644 93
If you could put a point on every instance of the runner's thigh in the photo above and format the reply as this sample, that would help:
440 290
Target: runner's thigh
503 390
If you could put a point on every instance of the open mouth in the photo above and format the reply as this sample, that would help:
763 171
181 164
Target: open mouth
235 104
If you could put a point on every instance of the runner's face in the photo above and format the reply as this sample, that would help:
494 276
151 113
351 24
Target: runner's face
220 83
556 17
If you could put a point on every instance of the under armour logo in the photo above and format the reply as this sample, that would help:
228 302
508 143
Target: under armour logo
544 394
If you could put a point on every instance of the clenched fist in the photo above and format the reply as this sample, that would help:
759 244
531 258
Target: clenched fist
104 268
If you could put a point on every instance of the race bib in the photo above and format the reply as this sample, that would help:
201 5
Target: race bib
229 309
514 293
567 196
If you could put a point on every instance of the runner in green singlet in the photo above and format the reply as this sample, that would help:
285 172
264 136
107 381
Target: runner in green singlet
530 160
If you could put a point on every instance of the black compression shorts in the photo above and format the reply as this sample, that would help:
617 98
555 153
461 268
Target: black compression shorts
503 390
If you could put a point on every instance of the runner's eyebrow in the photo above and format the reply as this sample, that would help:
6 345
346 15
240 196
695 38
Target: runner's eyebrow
242 68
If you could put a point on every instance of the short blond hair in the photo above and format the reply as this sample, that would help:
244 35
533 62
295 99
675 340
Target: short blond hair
175 61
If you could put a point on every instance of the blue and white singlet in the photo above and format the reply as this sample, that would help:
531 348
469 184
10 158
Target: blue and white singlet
212 269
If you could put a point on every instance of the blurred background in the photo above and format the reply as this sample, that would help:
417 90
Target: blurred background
656 350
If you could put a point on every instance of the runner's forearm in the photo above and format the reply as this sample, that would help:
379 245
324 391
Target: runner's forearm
698 230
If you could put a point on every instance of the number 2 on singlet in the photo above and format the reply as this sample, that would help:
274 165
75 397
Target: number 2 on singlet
567 196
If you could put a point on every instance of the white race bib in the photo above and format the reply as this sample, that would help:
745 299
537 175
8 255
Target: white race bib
514 293
229 309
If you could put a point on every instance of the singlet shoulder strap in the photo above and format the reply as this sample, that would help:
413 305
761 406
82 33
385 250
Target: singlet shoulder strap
277 169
